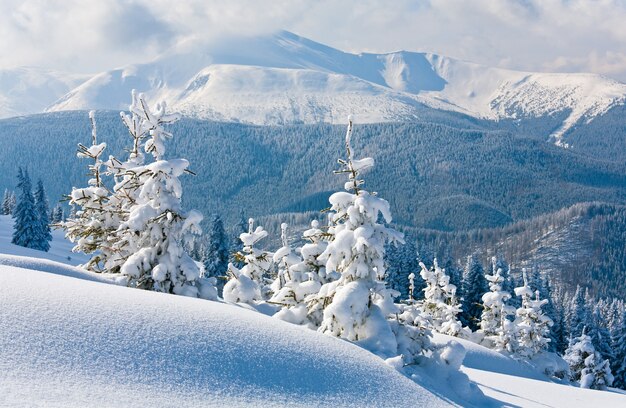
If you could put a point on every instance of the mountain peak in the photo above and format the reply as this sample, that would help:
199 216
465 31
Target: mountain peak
282 77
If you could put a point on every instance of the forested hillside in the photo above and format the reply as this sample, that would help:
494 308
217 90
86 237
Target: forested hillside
450 175
582 244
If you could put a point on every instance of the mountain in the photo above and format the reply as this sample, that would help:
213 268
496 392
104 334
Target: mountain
28 90
284 78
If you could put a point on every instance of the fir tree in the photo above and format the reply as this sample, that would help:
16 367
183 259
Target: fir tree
359 301
216 254
494 303
297 279
440 303
618 341
474 286
586 365
247 284
577 316
155 231
41 204
92 223
532 325
599 332
314 269
27 228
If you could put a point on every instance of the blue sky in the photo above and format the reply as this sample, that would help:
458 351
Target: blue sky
537 35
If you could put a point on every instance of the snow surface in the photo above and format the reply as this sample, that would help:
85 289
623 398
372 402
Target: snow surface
511 383
71 342
284 78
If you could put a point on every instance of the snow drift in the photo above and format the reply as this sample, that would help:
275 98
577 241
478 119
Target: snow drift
71 342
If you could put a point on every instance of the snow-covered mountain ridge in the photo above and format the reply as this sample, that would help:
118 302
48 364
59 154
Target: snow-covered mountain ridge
284 78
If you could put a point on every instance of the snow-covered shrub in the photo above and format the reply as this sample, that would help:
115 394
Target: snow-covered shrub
247 285
586 365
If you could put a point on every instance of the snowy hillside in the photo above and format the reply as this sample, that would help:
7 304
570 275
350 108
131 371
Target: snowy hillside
86 343
60 249
71 338
28 90
284 78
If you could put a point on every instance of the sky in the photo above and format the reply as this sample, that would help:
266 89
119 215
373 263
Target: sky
89 36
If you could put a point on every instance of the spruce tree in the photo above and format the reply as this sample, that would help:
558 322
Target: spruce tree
532 325
494 303
156 228
474 286
586 365
297 279
359 299
577 316
618 341
247 284
440 303
314 269
27 229
41 204
216 254
92 223
599 332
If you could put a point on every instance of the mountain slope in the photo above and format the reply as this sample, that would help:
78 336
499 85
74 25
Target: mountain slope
27 90
448 177
582 244
284 78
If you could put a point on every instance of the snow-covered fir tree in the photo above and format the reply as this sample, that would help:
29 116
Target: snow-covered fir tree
156 227
247 284
359 299
27 227
505 338
586 365
474 286
215 255
41 204
315 268
298 277
440 304
92 222
284 258
494 305
532 325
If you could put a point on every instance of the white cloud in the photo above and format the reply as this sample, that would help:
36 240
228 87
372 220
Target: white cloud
92 35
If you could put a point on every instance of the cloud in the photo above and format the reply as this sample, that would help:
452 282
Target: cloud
534 35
